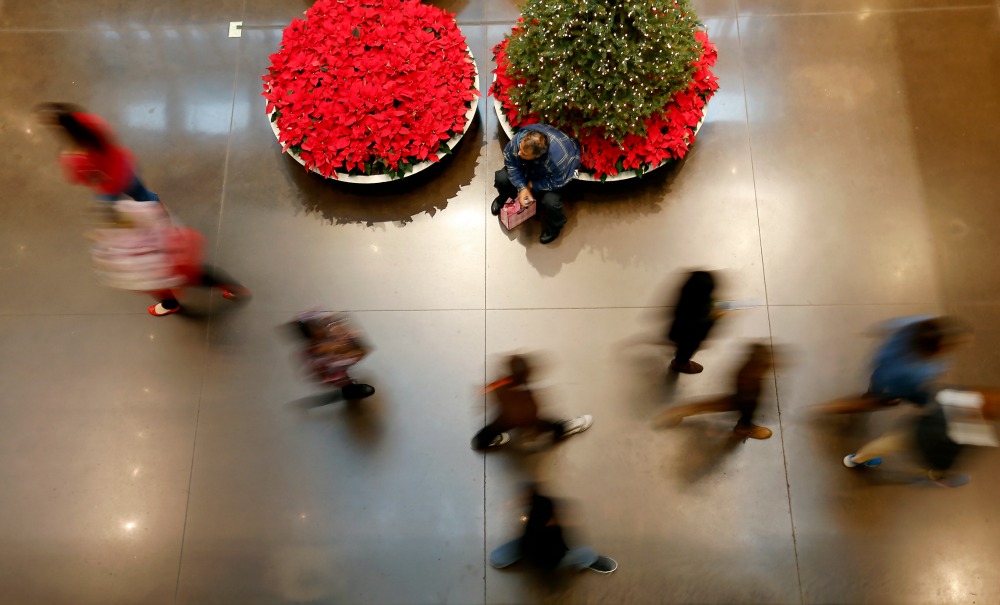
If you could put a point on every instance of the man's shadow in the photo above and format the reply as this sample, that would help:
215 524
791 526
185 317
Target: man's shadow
397 201
704 447
364 419
598 204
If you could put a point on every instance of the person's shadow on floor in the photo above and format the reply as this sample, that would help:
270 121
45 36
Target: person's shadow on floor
704 448
363 418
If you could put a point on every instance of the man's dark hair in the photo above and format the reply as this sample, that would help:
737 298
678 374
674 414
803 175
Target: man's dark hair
64 115
536 143
930 335
520 367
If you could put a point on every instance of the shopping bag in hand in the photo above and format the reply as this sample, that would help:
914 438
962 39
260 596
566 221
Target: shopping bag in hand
512 215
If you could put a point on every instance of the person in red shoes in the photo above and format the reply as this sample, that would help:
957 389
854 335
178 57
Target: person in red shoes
94 157
143 251
184 249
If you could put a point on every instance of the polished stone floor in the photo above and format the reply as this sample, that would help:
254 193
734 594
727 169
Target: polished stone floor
847 173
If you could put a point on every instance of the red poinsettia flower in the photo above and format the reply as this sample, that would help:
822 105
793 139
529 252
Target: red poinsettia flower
670 132
370 86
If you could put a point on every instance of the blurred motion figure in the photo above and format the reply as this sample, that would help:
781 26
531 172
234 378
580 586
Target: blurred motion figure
141 249
694 316
543 543
952 420
749 384
93 157
333 344
913 355
517 409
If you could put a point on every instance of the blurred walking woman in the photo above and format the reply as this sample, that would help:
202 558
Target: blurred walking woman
93 156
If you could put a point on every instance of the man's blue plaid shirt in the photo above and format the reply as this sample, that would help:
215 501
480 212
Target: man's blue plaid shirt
548 172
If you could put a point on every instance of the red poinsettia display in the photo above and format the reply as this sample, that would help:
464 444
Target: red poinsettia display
370 86
669 132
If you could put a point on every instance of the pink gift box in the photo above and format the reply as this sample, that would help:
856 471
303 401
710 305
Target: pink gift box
511 215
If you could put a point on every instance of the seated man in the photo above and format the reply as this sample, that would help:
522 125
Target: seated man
538 163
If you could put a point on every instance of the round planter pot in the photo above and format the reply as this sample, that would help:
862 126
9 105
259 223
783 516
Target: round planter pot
581 176
368 179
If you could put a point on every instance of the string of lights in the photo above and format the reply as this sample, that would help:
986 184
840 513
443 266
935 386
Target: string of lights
601 63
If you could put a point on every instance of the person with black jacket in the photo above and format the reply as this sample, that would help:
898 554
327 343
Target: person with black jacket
543 544
694 316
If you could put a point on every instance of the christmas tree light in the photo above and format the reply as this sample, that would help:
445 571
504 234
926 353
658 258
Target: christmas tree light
601 63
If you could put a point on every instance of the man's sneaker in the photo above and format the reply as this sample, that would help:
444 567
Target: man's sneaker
850 463
577 425
689 367
158 310
603 564
501 439
753 432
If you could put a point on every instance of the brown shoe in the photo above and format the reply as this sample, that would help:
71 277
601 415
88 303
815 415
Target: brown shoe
668 419
687 368
753 432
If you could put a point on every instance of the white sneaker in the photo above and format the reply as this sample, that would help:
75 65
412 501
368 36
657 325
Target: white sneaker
577 425
501 439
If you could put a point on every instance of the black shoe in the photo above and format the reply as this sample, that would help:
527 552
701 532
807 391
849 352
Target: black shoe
497 205
353 392
603 564
549 235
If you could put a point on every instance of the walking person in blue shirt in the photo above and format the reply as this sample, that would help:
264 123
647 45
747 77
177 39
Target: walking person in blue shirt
538 163
912 357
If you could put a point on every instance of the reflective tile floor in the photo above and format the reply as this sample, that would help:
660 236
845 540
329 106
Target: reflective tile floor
847 173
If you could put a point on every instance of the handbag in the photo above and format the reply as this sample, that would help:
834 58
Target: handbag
512 215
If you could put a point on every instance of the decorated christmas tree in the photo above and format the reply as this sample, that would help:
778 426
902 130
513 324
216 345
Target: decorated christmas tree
628 80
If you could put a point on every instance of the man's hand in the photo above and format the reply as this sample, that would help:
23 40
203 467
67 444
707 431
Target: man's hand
524 197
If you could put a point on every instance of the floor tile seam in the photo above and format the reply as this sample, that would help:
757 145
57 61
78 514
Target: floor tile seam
194 448
207 25
870 11
125 30
486 277
208 323
859 304
229 147
770 330
453 309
